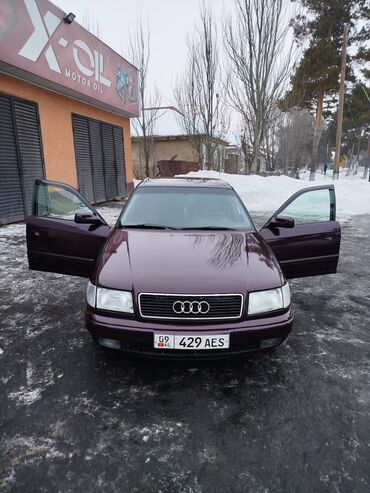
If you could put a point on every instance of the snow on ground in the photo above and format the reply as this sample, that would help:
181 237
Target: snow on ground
17 229
110 214
267 194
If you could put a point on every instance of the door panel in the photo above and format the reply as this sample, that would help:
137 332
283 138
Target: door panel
312 246
55 242
306 249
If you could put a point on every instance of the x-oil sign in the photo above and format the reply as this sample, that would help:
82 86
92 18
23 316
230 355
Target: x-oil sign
38 45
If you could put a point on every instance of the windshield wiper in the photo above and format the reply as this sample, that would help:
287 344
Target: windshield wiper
146 226
209 228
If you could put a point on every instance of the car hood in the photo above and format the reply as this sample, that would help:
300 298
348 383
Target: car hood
187 262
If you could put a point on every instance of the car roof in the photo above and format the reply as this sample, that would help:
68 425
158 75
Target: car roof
184 182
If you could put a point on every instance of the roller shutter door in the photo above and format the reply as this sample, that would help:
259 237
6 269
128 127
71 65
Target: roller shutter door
11 198
30 150
21 158
83 158
120 159
99 159
109 162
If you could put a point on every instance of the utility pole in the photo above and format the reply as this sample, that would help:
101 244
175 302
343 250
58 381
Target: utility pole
367 164
340 105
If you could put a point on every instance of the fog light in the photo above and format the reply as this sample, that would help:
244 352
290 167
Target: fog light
270 342
111 343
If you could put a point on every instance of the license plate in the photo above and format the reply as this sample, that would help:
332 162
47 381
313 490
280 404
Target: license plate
191 342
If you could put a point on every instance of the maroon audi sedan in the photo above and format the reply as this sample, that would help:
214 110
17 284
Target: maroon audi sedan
184 272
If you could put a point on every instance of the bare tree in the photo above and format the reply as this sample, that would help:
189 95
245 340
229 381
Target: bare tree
260 61
92 24
271 145
144 126
199 94
295 134
187 103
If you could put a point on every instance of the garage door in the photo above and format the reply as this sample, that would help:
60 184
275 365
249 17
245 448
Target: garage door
21 158
99 159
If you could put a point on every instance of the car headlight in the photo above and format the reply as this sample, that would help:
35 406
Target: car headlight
269 301
113 300
109 299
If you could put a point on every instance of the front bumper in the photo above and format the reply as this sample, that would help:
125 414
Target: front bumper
137 336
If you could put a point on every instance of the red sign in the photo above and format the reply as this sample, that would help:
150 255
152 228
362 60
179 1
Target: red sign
37 44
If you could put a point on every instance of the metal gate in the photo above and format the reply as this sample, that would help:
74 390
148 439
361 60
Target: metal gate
99 159
21 157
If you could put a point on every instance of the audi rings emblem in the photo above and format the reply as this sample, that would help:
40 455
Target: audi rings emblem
191 307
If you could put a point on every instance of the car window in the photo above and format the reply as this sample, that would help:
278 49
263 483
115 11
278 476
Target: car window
186 208
310 207
57 202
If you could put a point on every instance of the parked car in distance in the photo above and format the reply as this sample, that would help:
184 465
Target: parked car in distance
184 272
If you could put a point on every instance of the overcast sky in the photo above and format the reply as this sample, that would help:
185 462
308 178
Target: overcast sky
169 22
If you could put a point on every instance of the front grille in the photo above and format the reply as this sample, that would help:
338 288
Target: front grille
217 307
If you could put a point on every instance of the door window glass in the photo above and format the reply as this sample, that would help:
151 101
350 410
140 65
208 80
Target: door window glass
310 207
55 201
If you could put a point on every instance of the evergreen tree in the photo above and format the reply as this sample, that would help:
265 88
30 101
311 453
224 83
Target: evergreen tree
356 121
315 82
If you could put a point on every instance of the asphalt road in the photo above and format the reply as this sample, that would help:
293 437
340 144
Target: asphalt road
76 418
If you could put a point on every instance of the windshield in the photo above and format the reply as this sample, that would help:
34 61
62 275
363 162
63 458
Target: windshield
185 208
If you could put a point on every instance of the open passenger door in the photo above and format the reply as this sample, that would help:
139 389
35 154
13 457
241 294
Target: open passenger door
304 234
65 232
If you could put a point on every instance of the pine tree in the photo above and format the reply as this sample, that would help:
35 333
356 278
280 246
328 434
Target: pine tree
356 121
315 82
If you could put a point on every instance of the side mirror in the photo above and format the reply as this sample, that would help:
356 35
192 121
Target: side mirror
281 222
87 218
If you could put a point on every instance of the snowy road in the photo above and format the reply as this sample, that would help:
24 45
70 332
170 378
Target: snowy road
75 418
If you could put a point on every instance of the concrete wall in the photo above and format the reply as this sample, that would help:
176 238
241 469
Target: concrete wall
168 149
55 113
164 150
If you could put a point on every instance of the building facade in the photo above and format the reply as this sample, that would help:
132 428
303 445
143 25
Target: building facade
175 148
66 100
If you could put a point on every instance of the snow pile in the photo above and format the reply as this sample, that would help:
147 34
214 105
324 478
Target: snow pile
267 194
110 214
